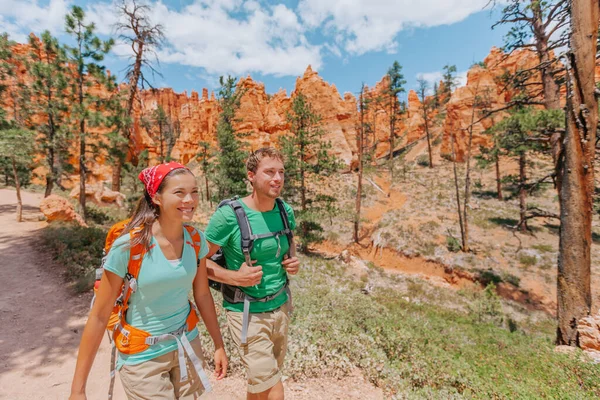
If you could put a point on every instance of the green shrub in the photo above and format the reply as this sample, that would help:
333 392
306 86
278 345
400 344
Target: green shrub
527 260
512 279
453 244
487 306
423 160
488 277
546 248
78 249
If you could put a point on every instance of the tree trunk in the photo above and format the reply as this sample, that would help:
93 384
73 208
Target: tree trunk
523 191
360 146
426 120
133 84
468 175
116 175
18 188
460 220
576 174
549 85
82 172
498 179
302 183
393 101
207 191
51 176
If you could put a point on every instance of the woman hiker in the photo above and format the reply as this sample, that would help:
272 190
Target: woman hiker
160 356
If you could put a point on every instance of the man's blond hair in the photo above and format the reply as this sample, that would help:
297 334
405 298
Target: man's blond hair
258 155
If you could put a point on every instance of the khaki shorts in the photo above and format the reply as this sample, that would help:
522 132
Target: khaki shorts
267 343
159 378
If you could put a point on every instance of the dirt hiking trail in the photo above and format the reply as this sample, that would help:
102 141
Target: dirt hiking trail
42 322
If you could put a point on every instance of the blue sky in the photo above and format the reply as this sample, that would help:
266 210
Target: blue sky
347 41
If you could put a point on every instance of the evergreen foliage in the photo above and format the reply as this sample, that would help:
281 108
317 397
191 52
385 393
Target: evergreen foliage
307 154
87 108
230 173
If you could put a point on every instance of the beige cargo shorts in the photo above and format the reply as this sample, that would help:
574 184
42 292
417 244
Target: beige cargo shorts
159 378
267 344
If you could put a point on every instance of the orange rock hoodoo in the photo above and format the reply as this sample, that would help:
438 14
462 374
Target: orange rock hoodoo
262 117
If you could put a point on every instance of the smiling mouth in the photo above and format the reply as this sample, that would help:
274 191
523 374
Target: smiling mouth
186 209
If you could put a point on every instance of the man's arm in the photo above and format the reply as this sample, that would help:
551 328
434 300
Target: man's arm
245 276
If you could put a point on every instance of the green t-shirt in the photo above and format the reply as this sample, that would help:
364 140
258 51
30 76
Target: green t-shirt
223 230
160 304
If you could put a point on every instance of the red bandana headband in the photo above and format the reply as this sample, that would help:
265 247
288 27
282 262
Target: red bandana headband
151 177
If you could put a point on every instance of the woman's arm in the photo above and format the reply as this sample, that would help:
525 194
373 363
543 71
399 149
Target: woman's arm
109 290
206 306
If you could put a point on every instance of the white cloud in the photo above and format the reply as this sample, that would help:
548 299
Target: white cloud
372 25
20 17
430 77
235 37
268 40
436 76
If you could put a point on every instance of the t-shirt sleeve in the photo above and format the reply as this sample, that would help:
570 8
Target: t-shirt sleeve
219 227
118 257
203 246
291 217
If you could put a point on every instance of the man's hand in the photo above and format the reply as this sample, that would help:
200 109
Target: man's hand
291 265
248 275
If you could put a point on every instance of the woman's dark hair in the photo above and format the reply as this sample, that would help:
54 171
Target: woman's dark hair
146 212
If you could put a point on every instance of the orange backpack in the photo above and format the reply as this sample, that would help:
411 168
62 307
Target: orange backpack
131 340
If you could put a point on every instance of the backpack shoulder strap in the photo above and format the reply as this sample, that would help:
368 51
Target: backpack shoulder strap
245 230
286 226
284 216
113 234
196 239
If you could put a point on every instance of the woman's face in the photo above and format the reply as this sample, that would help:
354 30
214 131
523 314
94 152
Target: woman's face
179 197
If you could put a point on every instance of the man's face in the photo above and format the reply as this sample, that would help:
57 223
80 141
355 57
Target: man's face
268 178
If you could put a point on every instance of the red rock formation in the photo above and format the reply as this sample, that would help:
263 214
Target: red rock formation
589 335
100 195
484 85
57 208
262 117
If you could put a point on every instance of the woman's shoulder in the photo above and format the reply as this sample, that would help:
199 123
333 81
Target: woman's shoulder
122 242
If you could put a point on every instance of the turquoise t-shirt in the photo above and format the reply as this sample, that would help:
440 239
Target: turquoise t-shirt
223 230
160 303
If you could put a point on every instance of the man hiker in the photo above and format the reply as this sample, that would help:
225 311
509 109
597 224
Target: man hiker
254 234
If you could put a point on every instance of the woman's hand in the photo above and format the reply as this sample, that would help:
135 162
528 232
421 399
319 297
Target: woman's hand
291 265
77 396
221 363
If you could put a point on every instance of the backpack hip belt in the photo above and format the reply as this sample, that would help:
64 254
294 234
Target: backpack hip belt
233 294
130 340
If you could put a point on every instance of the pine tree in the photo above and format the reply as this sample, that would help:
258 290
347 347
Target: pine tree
204 156
362 132
88 51
450 81
230 176
16 142
158 127
396 82
306 155
427 107
525 131
16 146
49 101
